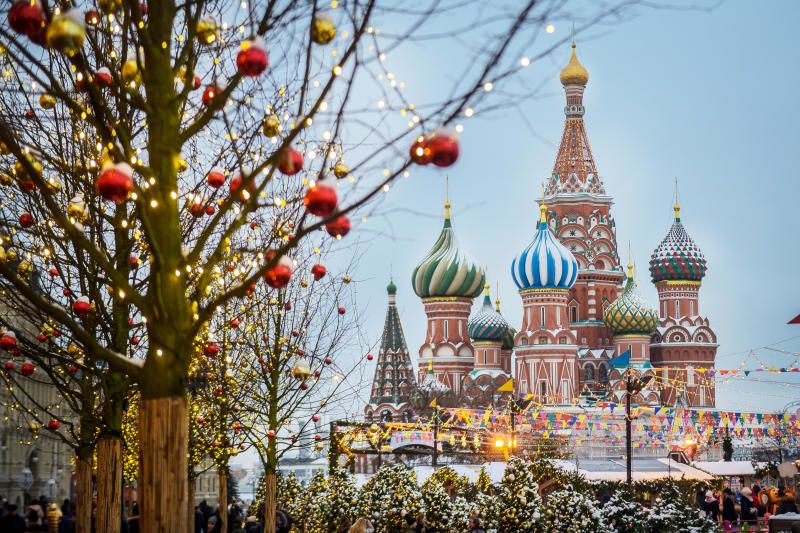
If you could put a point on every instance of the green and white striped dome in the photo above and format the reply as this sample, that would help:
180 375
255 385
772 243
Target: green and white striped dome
446 270
629 314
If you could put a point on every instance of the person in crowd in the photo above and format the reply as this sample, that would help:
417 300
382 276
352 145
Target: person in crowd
729 506
421 527
211 525
362 525
699 496
199 520
711 506
12 522
344 525
283 519
475 525
252 525
786 503
749 512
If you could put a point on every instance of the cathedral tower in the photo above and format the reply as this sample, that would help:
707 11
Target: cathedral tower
394 374
684 345
447 281
546 346
580 216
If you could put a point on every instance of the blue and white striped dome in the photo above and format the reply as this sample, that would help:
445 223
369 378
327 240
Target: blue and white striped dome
545 263
488 324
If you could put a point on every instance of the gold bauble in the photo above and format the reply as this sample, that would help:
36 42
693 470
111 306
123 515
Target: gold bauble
2 254
4 149
109 6
271 125
182 165
346 279
323 30
130 71
301 369
304 283
340 170
66 32
20 170
33 427
11 255
47 101
24 269
6 179
207 31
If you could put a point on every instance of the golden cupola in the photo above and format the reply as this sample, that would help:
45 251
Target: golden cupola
574 73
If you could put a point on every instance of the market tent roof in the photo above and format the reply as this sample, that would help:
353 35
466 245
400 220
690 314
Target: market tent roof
642 469
726 468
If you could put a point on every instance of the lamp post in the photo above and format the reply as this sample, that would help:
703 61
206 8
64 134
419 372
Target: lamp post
633 385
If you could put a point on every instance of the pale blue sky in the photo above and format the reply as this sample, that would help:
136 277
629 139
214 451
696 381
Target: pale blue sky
708 97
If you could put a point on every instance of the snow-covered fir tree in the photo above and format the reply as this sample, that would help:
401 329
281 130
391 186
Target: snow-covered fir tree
336 502
438 508
623 514
673 513
518 505
388 496
570 510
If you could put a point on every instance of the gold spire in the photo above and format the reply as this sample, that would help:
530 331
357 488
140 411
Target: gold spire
430 366
497 301
574 73
543 208
446 198
486 288
630 262
677 207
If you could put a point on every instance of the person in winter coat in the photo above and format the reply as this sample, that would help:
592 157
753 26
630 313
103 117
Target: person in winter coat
252 525
711 506
729 507
749 511
787 504
475 525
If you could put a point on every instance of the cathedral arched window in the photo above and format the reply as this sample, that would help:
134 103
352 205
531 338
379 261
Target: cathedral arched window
603 373
386 416
573 313
701 338
588 373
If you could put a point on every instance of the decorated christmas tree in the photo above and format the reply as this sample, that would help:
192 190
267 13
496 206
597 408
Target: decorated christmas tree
518 505
570 510
388 496
484 482
623 513
674 513
438 508
336 504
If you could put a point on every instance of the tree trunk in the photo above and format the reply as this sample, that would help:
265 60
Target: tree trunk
163 428
223 499
109 485
270 501
83 492
190 507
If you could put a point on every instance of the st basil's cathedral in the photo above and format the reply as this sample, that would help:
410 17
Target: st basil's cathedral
584 323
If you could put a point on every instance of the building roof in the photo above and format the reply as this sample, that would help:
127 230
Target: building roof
677 258
487 324
629 314
726 468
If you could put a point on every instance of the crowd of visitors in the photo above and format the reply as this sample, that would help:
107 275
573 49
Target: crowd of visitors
747 507
38 516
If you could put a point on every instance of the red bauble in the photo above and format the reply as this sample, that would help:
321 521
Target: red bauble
42 337
133 261
199 419
236 184
315 418
304 386
419 152
197 82
135 341
290 162
209 94
26 17
26 369
370 357
210 210
102 77
197 210
321 200
9 365
279 275
115 182
8 341
328 361
253 59
53 271
26 220
73 369
342 310
287 306
91 18
317 437
211 349
318 271
53 424
270 434
338 227
235 323
216 178
81 306
444 148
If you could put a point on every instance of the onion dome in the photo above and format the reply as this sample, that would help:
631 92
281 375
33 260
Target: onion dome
446 271
391 288
488 324
574 73
629 314
677 258
545 263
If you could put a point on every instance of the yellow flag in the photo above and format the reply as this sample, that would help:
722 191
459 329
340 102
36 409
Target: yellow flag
508 386
433 403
